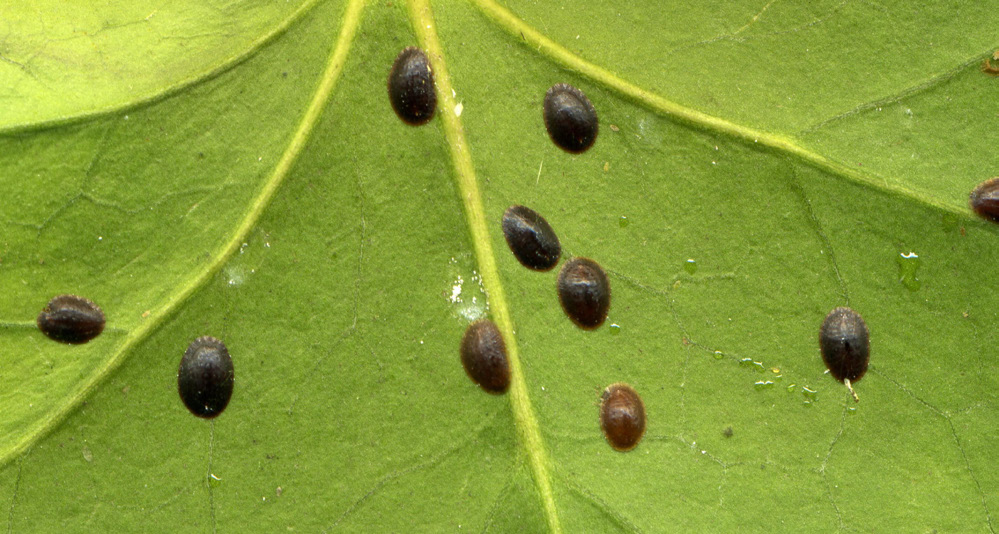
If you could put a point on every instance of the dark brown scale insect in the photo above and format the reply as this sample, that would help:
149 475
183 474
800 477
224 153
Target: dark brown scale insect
71 319
985 199
570 118
531 238
483 354
584 292
846 346
205 378
411 87
622 416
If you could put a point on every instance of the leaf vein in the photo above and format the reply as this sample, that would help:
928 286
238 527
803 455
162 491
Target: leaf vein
915 90
171 306
538 43
171 90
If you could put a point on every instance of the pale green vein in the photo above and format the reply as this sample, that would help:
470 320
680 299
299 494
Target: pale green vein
527 424
920 88
545 46
178 86
160 314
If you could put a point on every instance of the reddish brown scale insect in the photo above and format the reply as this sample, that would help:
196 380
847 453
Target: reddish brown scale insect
483 354
984 199
622 416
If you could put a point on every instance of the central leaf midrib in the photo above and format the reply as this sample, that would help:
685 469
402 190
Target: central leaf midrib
525 420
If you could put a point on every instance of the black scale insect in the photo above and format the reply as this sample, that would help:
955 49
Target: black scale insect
71 319
846 346
205 377
584 292
531 238
411 87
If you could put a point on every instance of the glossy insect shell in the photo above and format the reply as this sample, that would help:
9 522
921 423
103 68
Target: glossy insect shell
570 118
984 199
845 344
584 292
71 319
411 87
205 378
622 416
531 238
483 354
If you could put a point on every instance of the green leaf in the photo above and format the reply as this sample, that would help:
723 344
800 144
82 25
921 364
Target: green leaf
236 170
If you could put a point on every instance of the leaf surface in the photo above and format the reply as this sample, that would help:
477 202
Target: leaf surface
236 170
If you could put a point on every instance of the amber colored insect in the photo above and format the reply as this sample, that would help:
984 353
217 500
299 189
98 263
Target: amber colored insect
570 118
531 238
206 377
584 292
846 346
411 87
71 319
987 66
483 354
984 199
622 416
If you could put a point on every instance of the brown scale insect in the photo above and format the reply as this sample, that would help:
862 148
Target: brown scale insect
483 354
984 199
987 66
622 416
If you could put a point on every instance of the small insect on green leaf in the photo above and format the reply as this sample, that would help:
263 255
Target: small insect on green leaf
483 354
570 118
622 416
988 67
411 87
71 319
531 238
205 378
984 199
584 291
846 348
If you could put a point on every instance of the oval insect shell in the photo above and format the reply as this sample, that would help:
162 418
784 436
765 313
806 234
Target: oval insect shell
531 238
845 344
411 87
71 319
984 199
584 291
622 416
483 354
570 118
205 378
